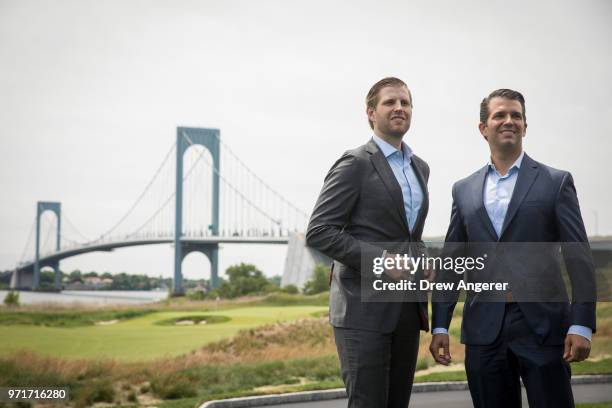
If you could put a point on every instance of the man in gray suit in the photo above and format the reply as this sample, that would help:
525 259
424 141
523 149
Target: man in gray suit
375 193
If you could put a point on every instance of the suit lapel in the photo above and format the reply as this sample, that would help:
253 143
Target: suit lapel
478 197
526 176
425 204
388 178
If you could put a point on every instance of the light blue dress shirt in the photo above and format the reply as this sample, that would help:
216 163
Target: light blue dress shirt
497 194
400 160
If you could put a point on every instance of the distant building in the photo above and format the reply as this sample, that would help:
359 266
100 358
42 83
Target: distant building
301 261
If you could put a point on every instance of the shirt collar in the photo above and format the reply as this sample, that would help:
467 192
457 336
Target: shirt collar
517 164
387 149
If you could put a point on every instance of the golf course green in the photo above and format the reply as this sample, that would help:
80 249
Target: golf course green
143 338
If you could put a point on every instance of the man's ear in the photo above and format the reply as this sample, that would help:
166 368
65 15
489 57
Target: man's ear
482 127
370 112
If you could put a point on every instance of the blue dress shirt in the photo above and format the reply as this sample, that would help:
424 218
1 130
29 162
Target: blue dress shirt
400 160
497 194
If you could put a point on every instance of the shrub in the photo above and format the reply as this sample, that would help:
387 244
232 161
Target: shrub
196 295
271 288
319 282
290 289
97 391
173 387
12 299
132 397
244 279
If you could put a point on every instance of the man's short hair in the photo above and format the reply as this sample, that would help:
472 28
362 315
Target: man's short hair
501 93
372 97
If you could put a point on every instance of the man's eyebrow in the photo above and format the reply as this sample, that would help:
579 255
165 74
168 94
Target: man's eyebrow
507 111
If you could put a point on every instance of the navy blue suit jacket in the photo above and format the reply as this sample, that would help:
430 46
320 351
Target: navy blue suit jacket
543 208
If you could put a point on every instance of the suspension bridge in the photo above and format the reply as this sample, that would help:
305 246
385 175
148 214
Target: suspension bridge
192 201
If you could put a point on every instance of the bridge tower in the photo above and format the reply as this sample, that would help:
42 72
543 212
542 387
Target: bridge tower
210 139
56 208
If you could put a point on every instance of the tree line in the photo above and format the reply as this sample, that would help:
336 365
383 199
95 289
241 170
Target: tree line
240 280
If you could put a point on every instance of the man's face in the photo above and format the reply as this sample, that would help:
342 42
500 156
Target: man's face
391 116
505 127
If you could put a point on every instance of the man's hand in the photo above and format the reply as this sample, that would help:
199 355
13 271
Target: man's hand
398 274
440 341
577 348
429 273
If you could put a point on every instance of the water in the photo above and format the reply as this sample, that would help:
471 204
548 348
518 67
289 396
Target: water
102 297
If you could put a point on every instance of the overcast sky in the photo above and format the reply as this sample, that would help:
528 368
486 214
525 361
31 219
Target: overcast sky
91 93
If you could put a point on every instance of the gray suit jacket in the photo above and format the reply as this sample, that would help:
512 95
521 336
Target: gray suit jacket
361 204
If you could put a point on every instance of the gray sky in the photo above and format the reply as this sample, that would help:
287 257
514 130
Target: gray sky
91 93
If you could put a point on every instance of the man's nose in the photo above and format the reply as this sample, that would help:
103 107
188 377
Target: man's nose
508 120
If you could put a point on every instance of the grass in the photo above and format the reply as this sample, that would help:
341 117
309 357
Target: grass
585 367
458 375
141 338
269 358
280 357
591 366
604 310
269 345
285 299
207 381
178 378
66 319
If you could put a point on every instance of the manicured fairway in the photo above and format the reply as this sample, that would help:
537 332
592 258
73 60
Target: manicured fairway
140 338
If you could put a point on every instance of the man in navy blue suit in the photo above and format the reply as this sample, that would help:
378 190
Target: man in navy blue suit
515 199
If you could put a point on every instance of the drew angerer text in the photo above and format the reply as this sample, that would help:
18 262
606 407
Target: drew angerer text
424 284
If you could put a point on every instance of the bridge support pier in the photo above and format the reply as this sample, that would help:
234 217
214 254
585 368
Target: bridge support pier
210 139
57 274
41 207
57 277
23 279
212 253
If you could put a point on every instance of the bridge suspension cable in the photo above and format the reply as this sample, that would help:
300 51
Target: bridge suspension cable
249 206
235 190
166 202
71 225
259 179
70 241
140 197
28 242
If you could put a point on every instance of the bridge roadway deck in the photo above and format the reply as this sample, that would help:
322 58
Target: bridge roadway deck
599 246
110 246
